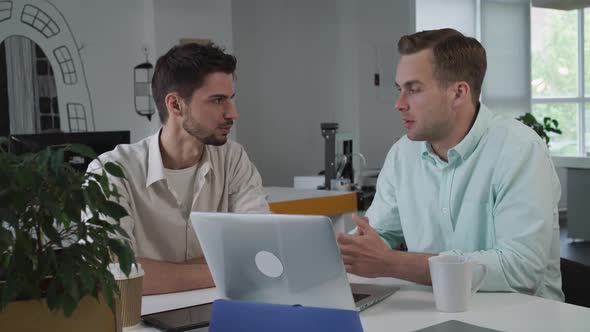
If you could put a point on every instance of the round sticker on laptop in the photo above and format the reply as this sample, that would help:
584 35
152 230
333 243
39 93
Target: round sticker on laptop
268 264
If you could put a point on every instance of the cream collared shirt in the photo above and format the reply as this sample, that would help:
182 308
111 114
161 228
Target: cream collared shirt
226 181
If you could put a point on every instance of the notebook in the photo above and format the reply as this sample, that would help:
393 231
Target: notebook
230 316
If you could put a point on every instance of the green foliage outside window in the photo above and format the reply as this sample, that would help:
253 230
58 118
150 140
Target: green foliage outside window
554 56
554 61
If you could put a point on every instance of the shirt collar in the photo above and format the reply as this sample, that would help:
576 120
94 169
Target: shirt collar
155 170
479 128
205 164
468 144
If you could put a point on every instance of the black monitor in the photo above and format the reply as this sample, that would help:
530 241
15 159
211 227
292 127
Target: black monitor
99 141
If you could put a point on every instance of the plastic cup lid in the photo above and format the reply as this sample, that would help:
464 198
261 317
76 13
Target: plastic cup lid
136 271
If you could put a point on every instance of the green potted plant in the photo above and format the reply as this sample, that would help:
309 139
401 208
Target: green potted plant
549 125
56 240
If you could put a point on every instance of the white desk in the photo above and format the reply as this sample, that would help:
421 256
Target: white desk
412 308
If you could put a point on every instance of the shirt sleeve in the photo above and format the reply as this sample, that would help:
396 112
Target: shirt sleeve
127 223
383 213
246 194
523 215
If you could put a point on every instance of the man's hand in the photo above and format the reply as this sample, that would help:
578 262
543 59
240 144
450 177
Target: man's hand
365 254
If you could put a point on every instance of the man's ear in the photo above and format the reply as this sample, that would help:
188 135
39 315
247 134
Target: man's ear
173 104
461 93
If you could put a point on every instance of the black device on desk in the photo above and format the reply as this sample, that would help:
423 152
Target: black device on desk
99 141
182 319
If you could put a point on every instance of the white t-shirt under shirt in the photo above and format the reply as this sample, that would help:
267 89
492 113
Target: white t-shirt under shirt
181 183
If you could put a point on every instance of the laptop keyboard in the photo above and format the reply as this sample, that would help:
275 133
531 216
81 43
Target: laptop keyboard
357 297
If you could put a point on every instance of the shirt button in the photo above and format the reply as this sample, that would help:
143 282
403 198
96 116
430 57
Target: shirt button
445 210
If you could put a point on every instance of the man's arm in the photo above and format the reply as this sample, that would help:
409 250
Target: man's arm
524 221
246 194
367 255
165 277
384 212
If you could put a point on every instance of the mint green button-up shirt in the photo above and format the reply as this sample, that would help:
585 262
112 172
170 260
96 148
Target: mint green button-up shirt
495 200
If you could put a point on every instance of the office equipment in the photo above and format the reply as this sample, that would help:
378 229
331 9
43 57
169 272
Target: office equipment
337 158
329 134
99 141
308 182
282 259
261 317
182 319
578 210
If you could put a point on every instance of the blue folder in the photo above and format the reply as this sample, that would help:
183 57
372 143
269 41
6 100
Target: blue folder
262 317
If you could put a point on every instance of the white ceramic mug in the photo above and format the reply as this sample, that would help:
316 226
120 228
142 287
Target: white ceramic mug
451 281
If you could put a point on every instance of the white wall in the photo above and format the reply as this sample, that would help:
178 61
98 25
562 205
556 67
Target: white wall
381 24
176 19
457 14
108 32
112 34
288 66
304 62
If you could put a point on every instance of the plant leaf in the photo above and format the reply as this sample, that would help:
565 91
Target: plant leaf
86 279
58 160
114 210
4 143
124 253
114 169
69 305
121 231
82 150
107 292
50 231
51 295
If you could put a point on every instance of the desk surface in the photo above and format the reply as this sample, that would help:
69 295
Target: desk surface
412 308
282 194
309 201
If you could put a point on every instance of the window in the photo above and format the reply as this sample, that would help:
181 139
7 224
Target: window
46 92
66 64
39 20
560 75
77 117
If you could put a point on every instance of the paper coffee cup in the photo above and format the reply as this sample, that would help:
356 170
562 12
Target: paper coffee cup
130 288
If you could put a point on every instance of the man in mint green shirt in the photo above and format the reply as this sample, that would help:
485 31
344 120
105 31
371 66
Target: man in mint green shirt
463 181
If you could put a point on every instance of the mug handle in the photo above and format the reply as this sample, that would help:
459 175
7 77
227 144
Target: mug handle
480 281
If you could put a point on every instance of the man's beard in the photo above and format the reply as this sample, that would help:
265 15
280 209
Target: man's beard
201 134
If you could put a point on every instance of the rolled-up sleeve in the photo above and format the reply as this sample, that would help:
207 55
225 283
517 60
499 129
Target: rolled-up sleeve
383 213
523 216
246 194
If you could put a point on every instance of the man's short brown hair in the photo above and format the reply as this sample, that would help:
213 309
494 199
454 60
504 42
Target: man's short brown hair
455 56
184 68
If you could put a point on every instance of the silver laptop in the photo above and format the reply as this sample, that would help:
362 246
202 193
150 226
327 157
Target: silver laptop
282 259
